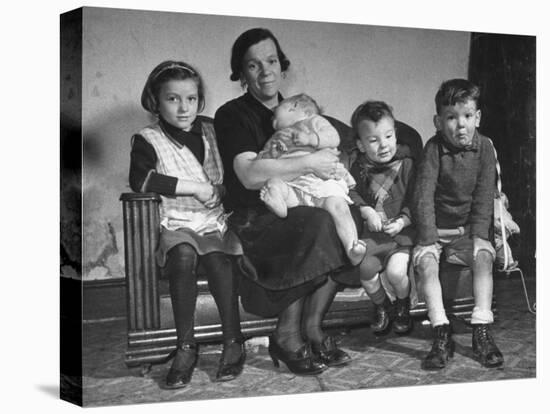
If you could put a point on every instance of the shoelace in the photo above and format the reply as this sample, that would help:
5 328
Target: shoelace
440 343
484 337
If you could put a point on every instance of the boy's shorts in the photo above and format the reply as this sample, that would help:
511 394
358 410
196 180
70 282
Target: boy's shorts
457 245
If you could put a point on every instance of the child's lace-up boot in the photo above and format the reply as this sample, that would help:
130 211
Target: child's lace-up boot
443 348
484 347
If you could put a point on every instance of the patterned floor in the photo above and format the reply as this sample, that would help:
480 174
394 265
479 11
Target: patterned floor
391 361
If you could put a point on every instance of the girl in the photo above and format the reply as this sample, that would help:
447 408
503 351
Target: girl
384 182
177 157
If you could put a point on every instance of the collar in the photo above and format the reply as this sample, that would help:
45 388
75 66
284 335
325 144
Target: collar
179 136
374 167
252 100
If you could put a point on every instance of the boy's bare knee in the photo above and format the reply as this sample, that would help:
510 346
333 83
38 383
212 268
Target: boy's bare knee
426 262
484 257
396 273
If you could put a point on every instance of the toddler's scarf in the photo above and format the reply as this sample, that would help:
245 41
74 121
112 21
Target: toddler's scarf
380 178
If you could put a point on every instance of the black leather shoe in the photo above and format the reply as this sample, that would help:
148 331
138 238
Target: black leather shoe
443 348
484 347
300 362
402 322
230 371
328 353
184 363
383 317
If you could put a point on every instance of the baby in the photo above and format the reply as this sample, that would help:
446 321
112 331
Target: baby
300 130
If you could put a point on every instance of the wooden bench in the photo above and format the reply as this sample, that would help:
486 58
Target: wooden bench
151 332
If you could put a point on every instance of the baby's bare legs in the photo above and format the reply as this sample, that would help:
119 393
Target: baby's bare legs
345 227
278 196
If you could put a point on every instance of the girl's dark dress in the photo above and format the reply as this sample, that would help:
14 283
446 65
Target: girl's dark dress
291 256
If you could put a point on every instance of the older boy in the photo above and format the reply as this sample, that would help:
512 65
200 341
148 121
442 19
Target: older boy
453 210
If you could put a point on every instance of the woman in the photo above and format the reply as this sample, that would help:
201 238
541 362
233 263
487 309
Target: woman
293 256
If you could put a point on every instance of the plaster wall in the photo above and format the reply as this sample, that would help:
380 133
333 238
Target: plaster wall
340 65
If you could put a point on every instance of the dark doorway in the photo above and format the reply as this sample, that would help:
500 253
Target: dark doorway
504 66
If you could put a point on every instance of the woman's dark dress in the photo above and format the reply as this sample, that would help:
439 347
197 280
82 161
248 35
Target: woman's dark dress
291 256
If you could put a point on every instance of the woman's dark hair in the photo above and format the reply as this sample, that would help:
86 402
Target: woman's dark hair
243 43
456 91
164 72
371 111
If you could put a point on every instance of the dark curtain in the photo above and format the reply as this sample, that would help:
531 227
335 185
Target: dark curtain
504 66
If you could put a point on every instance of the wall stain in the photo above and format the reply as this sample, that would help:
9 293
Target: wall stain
103 243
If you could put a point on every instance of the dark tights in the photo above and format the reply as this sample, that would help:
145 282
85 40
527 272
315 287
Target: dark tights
303 318
181 270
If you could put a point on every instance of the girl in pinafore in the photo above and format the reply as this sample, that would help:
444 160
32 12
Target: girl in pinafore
177 157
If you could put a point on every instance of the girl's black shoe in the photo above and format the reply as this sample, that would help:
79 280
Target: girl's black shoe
184 363
443 348
383 317
328 353
484 347
228 371
402 322
300 362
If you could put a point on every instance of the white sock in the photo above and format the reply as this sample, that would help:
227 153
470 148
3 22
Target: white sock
482 315
437 317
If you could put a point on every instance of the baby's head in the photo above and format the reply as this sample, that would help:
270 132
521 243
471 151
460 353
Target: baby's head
374 125
457 115
294 109
174 91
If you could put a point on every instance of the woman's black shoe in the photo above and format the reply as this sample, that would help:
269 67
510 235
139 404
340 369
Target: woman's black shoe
402 322
300 362
228 371
328 353
484 347
383 317
443 348
184 363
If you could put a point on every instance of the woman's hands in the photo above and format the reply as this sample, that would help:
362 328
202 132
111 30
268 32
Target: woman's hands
324 163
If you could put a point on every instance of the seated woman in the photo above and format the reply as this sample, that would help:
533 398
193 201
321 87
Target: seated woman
294 256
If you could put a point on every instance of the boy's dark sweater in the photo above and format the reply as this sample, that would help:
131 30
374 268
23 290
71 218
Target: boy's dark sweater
455 187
